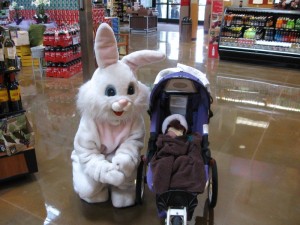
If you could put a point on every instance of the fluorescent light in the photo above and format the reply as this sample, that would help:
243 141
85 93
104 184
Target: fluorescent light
253 123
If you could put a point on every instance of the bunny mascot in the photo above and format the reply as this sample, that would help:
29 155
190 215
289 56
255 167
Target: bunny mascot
111 132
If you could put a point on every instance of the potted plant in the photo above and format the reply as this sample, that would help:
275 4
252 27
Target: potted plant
41 16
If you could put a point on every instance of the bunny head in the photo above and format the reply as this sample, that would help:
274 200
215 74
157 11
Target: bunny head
114 94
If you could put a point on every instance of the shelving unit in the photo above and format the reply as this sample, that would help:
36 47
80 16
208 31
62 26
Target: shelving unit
17 153
117 9
255 34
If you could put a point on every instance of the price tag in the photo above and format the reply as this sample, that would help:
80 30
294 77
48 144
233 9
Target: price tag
76 40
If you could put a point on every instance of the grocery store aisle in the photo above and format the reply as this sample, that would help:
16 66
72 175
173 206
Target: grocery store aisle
254 137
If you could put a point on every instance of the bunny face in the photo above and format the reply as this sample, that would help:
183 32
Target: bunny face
115 99
114 94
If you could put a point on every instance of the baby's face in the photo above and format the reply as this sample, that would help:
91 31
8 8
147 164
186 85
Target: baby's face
171 134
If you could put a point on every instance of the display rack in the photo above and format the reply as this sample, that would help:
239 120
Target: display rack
17 153
62 52
260 35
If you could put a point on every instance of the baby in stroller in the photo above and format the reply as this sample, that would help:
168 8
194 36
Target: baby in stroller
178 163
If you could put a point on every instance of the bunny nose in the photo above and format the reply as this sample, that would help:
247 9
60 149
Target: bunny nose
123 103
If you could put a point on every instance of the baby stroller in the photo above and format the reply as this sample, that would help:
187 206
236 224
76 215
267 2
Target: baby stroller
182 90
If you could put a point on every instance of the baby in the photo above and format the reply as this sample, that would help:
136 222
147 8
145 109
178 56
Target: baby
178 162
174 126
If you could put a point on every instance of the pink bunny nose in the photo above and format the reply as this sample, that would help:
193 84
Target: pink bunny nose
123 103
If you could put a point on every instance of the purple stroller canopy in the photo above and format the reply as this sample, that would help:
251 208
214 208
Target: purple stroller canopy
190 95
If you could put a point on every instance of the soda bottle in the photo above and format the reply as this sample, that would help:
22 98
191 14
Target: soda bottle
2 59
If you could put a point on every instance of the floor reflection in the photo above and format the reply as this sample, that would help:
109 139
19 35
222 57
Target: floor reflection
208 216
258 93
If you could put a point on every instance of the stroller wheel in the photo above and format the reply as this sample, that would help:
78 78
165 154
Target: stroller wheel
213 184
140 182
176 220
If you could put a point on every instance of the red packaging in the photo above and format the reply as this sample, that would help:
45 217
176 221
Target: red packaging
52 54
47 53
58 54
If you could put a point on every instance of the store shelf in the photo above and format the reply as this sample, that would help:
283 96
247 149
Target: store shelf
254 34
21 163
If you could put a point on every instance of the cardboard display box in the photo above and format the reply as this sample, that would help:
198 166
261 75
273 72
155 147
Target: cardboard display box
17 153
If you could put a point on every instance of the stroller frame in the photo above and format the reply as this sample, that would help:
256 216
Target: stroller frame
180 204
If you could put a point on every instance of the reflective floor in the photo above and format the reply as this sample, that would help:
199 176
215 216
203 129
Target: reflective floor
254 137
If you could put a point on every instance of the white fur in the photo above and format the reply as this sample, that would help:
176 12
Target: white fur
111 131
178 117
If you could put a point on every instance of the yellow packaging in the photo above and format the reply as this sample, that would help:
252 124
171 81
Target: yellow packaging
14 95
3 95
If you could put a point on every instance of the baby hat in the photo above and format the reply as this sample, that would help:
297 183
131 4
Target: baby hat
176 121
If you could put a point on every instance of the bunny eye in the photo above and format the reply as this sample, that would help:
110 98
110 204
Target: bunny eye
130 90
110 91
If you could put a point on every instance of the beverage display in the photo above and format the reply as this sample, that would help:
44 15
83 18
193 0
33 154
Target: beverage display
262 33
10 97
267 30
62 51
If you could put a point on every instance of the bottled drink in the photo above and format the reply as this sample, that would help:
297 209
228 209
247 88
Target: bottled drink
14 93
2 60
58 54
292 24
297 24
10 54
46 38
51 37
47 53
4 106
52 54
64 70
49 71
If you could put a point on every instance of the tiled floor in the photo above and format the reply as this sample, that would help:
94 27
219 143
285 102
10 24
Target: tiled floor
254 136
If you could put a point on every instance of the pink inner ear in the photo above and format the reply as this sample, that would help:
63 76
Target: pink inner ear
106 49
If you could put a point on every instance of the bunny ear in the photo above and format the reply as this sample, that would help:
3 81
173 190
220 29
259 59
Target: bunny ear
106 50
143 57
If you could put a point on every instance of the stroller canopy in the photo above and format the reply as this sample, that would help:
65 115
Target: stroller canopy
183 90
